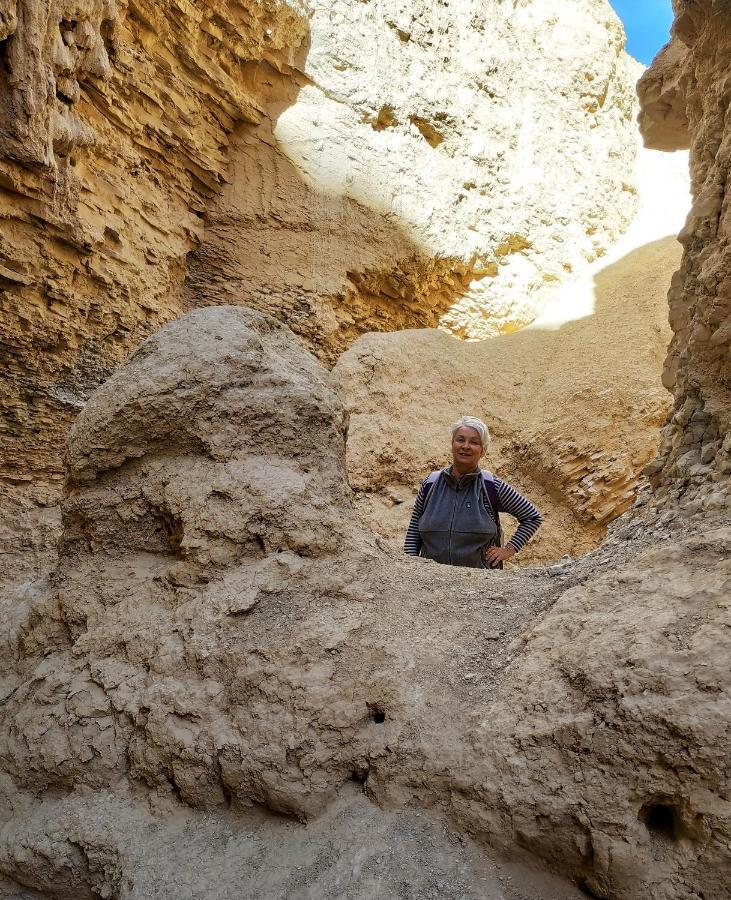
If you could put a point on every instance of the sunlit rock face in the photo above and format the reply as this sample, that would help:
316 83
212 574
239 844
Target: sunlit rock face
441 164
682 96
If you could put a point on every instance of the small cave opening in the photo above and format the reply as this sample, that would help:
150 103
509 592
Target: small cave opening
67 101
171 529
661 820
107 33
589 889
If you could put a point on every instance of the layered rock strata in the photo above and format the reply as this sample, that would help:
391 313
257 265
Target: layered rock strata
115 121
683 96
220 634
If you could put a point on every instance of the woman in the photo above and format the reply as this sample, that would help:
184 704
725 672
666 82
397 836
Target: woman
455 519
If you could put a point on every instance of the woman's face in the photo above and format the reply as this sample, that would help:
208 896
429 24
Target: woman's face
466 448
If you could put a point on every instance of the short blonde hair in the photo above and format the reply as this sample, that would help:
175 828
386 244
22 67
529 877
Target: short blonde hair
477 424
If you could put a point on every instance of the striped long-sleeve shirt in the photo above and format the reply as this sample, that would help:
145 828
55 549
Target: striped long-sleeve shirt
510 502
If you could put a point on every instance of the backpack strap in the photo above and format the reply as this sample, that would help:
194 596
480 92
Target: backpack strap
429 483
488 485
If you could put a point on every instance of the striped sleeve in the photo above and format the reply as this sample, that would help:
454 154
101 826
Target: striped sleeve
412 543
516 505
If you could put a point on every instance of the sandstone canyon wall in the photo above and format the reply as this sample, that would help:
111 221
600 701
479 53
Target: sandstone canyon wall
442 163
115 120
377 172
684 96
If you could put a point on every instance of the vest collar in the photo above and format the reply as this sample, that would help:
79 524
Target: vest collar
460 480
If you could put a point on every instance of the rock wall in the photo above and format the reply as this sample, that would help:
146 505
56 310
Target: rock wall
684 96
424 175
220 636
574 409
115 121
281 159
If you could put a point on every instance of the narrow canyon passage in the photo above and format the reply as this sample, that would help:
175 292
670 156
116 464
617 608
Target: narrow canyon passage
229 232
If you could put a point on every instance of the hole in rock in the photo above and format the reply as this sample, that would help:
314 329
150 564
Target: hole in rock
5 56
167 774
661 819
378 714
107 32
172 528
588 890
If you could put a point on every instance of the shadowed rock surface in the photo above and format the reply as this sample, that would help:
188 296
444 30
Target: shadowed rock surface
694 462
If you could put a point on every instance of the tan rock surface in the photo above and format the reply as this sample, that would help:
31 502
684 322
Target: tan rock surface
574 410
663 117
221 641
421 174
181 656
354 850
694 463
115 120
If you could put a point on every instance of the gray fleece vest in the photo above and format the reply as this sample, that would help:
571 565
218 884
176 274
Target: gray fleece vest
455 527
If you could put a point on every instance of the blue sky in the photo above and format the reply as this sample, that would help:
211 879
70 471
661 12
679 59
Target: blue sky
647 23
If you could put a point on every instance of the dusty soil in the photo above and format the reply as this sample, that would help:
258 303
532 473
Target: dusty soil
354 850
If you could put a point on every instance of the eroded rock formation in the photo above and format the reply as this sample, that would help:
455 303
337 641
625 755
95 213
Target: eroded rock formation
220 634
574 411
360 197
421 177
115 120
694 463
221 641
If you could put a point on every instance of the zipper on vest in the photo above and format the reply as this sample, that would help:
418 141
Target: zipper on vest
451 521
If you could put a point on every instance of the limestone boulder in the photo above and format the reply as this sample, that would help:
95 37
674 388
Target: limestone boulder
220 433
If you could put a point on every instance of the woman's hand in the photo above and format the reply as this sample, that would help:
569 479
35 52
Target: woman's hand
495 555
